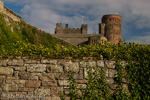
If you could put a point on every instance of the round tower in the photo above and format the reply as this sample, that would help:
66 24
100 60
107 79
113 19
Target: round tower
112 28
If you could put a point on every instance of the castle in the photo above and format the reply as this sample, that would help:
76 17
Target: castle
109 29
9 12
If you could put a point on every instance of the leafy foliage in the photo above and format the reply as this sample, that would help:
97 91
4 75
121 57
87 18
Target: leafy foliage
11 32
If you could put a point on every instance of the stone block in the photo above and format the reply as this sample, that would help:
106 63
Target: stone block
73 66
10 87
82 64
33 84
91 64
49 61
34 77
113 86
55 91
15 62
24 75
3 62
63 82
111 73
78 76
20 68
49 83
6 71
85 73
100 63
2 79
36 68
110 80
17 81
110 64
81 86
61 76
42 92
55 98
47 76
31 61
55 68
81 81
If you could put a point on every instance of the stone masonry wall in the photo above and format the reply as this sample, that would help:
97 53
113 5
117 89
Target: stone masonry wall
9 12
23 78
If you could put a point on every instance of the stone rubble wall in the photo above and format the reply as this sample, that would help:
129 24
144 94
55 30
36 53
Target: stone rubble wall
42 79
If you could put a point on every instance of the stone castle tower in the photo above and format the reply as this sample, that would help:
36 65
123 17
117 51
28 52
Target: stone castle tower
111 28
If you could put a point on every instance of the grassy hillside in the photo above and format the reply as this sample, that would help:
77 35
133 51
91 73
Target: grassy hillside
11 32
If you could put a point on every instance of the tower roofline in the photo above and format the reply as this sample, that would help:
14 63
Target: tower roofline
111 15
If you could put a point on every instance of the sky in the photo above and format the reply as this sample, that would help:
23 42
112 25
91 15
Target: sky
45 14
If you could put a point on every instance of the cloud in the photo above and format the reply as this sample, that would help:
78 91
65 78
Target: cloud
140 39
46 13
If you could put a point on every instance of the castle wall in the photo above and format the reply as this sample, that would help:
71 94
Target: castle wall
9 12
76 39
43 79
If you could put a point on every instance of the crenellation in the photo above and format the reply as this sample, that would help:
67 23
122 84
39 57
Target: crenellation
60 30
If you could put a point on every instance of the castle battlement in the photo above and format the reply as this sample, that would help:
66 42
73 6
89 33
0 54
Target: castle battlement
9 12
60 30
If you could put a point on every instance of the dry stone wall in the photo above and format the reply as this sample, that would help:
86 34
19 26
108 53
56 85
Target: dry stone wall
42 79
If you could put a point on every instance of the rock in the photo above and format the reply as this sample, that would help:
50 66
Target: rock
3 62
91 64
6 71
15 62
55 68
10 87
49 83
63 82
71 66
2 80
85 73
111 73
110 64
56 90
49 61
110 80
33 84
100 63
47 76
42 92
31 61
24 75
82 64
21 68
36 68
81 86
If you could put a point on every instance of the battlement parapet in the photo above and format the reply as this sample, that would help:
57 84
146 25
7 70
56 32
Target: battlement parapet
60 30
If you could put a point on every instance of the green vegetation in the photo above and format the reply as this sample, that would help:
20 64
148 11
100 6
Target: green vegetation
11 32
21 39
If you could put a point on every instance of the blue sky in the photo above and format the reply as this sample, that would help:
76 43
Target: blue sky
45 14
